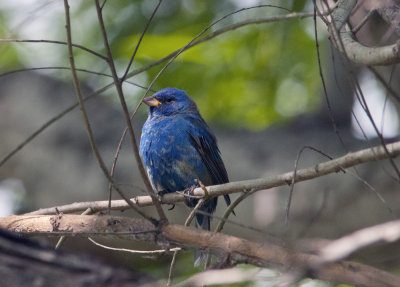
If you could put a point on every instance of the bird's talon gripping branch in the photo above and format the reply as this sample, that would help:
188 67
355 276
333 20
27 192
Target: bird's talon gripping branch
189 191
172 207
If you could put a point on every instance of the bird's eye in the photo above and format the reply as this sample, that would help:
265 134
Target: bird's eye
168 100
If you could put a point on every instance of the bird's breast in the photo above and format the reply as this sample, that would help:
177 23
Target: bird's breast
171 160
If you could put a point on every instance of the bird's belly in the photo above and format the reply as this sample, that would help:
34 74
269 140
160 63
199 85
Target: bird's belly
172 173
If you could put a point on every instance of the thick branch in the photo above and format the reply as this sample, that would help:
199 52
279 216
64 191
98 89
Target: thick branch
335 165
354 50
238 249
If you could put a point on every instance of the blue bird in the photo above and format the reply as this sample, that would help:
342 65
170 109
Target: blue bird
177 147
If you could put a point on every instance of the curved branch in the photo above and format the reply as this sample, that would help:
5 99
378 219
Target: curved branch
355 51
331 166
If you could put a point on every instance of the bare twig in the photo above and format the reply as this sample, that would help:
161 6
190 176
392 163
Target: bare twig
144 252
85 116
171 268
123 78
230 208
49 123
192 42
189 219
118 85
363 21
140 41
328 103
55 42
389 89
67 68
294 176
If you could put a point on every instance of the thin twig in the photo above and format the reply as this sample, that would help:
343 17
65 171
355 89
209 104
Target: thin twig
389 89
49 123
294 177
123 78
118 86
67 68
363 21
230 208
145 252
140 41
328 103
192 42
187 223
171 268
55 42
85 116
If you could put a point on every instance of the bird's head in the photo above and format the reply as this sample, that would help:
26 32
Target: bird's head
170 101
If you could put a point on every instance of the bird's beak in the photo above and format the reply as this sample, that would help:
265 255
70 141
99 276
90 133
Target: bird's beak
151 101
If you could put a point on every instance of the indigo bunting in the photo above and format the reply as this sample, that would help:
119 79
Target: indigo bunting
177 147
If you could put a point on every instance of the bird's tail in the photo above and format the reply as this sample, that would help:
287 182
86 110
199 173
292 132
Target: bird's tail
203 222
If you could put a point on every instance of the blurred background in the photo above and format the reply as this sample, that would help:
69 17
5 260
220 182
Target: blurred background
258 87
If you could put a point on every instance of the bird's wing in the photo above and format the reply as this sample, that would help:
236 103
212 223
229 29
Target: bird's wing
205 143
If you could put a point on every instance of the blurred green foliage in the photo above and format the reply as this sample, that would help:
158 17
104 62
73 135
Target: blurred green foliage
247 78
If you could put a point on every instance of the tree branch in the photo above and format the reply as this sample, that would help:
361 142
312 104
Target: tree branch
324 168
239 250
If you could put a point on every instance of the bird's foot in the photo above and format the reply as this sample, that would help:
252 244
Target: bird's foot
190 198
189 191
160 195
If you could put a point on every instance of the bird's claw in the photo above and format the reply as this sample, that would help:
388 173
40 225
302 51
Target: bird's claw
189 196
189 191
